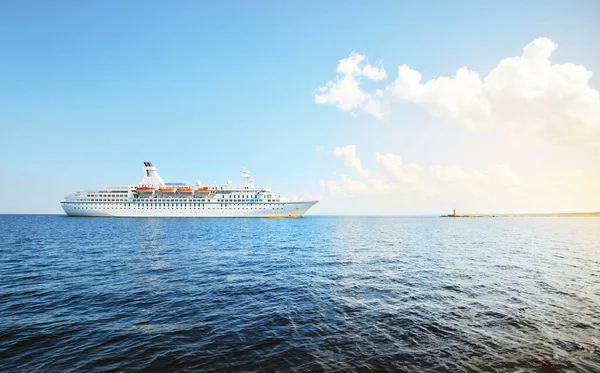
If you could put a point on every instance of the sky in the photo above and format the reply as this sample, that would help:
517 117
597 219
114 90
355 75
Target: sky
371 108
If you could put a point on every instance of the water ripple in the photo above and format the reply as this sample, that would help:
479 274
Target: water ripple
303 295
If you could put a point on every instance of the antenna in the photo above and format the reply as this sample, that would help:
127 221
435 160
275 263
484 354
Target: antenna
247 177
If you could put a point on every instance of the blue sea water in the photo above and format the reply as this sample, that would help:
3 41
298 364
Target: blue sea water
315 294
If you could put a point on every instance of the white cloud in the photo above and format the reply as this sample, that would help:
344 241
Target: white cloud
499 175
331 186
401 172
455 98
374 73
493 190
348 154
394 173
565 187
345 92
396 176
352 186
527 95
375 108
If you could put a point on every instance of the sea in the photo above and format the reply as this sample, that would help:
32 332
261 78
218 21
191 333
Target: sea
317 294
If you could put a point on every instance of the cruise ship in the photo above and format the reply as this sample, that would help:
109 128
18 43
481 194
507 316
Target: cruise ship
152 197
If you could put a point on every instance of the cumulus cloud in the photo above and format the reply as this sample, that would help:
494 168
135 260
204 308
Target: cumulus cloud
526 94
499 175
374 73
348 154
352 186
401 172
331 186
345 92
461 97
393 175
396 176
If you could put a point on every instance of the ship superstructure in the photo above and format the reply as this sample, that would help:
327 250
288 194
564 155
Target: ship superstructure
152 197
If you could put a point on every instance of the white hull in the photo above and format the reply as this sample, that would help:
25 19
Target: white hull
188 210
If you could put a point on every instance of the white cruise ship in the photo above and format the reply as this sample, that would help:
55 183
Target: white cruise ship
152 197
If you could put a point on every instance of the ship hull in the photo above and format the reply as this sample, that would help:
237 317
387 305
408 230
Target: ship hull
188 210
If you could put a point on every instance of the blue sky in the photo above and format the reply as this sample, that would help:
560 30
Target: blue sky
90 90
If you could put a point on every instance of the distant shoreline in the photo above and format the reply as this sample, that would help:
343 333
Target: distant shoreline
552 215
429 215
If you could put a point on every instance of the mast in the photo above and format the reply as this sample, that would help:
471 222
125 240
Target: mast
247 177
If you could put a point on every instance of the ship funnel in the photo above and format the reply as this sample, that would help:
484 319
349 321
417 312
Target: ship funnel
151 177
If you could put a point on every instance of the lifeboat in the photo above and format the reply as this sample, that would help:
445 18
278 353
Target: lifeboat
203 191
185 189
167 189
145 189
